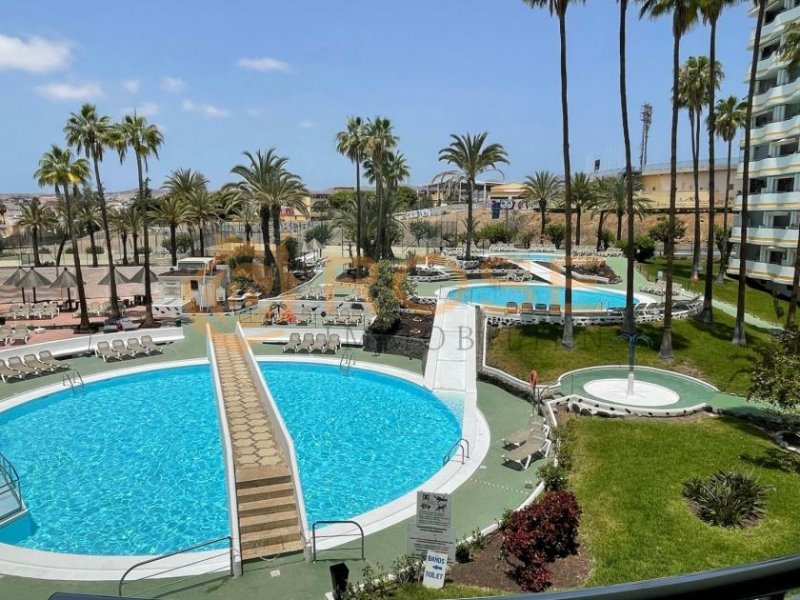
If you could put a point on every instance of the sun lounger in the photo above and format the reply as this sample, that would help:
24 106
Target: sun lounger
104 351
304 318
320 343
293 344
307 343
34 363
6 373
15 364
20 333
150 346
47 358
512 308
527 452
121 349
535 424
135 348
554 310
334 343
526 308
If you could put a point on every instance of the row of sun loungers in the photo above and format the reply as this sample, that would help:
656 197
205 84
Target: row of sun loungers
345 318
118 350
39 310
318 293
659 288
519 276
321 343
9 335
30 365
528 308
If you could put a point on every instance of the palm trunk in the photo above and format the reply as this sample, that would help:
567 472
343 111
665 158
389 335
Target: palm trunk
619 224
60 250
696 174
739 336
269 258
578 212
276 234
708 293
629 323
542 209
173 243
149 321
358 213
470 228
136 247
567 339
666 351
35 241
723 259
248 232
84 326
124 238
201 233
600 230
107 231
379 201
790 315
94 245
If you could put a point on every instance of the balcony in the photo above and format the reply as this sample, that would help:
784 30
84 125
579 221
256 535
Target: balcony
762 270
784 238
776 130
769 201
774 29
775 165
776 95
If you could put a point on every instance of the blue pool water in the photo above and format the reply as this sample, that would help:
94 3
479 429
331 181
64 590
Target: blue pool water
362 439
131 465
544 257
499 295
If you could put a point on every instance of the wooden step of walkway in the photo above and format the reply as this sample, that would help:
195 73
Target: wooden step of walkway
268 520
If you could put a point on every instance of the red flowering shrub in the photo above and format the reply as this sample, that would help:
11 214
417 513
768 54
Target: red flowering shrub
533 578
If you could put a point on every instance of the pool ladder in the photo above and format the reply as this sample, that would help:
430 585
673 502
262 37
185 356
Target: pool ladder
72 379
347 361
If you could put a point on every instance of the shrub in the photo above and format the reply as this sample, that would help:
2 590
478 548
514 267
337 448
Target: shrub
385 299
407 569
534 577
555 233
726 498
553 476
494 233
606 238
545 530
479 540
94 250
322 233
463 552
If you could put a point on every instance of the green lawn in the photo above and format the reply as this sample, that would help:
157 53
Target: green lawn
635 524
701 351
757 302
450 590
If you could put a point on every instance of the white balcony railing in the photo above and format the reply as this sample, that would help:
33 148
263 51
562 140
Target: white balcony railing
776 129
772 165
769 201
778 237
774 28
763 270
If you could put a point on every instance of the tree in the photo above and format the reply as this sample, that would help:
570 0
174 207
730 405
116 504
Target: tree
202 209
37 219
729 118
684 15
611 196
406 197
91 133
322 233
739 336
543 187
57 168
559 8
117 219
470 158
583 193
172 209
352 143
775 373
555 233
88 217
380 140
144 139
661 230
394 169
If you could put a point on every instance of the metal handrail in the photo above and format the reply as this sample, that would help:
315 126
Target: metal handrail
8 472
348 360
458 444
227 538
314 535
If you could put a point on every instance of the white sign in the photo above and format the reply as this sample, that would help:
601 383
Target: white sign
433 512
506 204
420 542
435 570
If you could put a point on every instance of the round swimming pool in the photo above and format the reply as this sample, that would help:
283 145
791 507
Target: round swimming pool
500 294
128 466
362 439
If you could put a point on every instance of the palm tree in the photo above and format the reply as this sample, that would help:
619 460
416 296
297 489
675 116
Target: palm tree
543 187
583 191
729 118
61 227
287 190
380 139
170 210
57 168
684 15
88 217
711 11
471 158
393 170
135 223
202 209
559 8
144 139
739 336
245 212
92 133
118 220
37 219
352 143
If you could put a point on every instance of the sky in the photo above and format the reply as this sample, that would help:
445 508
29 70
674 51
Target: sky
220 78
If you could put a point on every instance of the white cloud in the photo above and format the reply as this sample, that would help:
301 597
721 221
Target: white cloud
64 92
172 84
208 110
254 112
264 64
306 124
36 55
145 109
131 85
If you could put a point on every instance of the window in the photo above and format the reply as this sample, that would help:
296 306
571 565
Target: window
193 285
785 184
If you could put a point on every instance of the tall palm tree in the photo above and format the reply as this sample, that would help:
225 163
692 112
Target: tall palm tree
144 139
739 336
583 191
352 142
92 133
380 139
729 118
88 218
244 212
711 11
118 220
58 168
170 210
611 196
202 209
628 323
543 187
471 158
684 15
61 227
287 190
559 8
135 222
37 219
393 170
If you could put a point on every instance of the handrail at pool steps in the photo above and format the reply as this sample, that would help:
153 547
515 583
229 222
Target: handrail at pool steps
458 444
348 360
314 535
10 488
227 538
72 379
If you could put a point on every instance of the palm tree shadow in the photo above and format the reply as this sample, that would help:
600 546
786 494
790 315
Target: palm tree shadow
774 459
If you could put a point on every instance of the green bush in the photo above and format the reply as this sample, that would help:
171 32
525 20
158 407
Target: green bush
727 498
555 232
94 250
494 233
463 552
645 247
322 233
407 569
553 476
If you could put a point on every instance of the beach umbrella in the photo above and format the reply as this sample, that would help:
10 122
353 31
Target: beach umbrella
32 279
65 281
316 246
14 279
118 277
138 277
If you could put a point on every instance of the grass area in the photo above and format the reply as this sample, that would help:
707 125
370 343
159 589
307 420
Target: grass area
757 302
628 476
701 351
451 590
